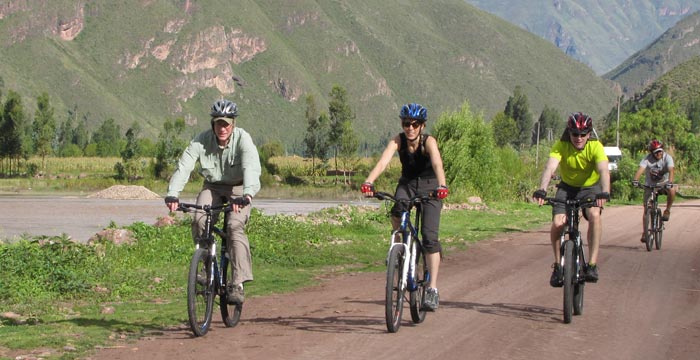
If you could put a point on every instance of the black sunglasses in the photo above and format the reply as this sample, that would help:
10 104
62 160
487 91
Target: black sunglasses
578 135
413 124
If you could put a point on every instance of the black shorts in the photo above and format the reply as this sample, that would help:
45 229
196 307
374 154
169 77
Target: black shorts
567 192
430 222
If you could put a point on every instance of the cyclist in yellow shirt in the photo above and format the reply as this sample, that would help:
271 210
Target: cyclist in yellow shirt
584 173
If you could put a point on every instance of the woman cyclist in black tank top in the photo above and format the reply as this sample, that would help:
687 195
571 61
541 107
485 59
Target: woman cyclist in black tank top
421 173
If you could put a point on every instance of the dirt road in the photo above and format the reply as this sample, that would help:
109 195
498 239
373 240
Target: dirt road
496 303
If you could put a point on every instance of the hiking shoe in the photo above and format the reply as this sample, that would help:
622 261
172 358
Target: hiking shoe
644 239
432 299
235 294
666 215
592 273
556 279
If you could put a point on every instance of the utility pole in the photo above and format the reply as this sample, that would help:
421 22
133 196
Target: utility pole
617 129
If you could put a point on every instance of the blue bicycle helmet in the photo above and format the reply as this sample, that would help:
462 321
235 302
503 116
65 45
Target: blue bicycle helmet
414 111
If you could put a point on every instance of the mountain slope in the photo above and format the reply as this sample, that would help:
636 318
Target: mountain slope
600 33
675 46
148 61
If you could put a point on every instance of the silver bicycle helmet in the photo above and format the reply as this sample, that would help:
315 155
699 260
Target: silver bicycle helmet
224 109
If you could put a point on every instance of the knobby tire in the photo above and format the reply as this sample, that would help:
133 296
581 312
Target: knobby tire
579 284
568 269
416 297
230 313
659 229
649 226
200 297
394 293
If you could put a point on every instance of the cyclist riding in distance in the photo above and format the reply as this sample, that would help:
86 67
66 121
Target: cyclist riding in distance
230 166
421 173
584 174
659 169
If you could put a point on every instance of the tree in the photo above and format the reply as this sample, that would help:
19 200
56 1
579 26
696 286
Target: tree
550 125
11 130
517 108
108 138
317 133
339 112
664 120
169 147
468 152
43 128
348 150
130 168
505 130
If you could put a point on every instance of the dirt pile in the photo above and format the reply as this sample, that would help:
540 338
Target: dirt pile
125 192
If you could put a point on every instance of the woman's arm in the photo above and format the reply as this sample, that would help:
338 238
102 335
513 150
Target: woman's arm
384 160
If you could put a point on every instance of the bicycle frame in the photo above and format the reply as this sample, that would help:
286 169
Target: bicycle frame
571 233
409 234
209 242
652 215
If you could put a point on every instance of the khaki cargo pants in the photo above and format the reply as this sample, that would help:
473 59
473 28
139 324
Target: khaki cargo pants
237 242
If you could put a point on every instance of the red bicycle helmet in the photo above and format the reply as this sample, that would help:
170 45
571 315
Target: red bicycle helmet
655 145
579 123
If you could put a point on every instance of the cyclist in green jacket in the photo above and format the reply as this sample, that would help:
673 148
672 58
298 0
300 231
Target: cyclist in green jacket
584 173
230 166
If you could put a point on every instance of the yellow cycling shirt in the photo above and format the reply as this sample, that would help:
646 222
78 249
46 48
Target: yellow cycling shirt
578 167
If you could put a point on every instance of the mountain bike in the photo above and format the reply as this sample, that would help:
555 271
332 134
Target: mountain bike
209 274
406 268
573 259
653 222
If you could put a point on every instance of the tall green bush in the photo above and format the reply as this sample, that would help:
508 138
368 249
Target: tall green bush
467 146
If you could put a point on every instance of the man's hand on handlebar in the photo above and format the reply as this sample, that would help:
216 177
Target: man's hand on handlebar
602 198
172 203
539 196
237 203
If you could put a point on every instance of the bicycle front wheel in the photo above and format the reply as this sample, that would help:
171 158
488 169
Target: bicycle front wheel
394 290
649 228
421 280
659 229
579 283
568 269
200 292
230 313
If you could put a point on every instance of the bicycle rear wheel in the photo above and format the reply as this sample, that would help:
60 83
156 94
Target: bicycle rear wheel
394 290
648 228
659 229
421 279
230 313
568 269
200 292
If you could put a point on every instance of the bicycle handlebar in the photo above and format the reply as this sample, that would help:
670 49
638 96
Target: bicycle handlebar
652 187
226 207
582 203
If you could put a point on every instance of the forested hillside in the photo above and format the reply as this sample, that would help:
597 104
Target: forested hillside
150 61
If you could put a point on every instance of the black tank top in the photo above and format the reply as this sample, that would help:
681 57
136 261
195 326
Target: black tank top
417 164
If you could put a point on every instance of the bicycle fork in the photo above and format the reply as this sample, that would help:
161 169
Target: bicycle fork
407 268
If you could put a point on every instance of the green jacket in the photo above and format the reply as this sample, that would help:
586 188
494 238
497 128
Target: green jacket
237 163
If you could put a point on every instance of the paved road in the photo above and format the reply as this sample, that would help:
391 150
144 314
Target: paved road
82 217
